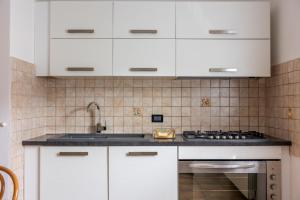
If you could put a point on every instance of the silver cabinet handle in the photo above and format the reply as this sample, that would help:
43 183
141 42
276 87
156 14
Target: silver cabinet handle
217 166
223 69
73 154
3 124
222 32
143 31
149 69
142 154
80 31
80 69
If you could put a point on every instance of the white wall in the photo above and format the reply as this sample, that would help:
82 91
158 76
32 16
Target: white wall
4 81
285 30
22 30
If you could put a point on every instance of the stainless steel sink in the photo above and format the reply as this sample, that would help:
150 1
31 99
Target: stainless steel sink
99 137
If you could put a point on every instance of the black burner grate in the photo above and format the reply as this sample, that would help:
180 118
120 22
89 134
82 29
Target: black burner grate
223 135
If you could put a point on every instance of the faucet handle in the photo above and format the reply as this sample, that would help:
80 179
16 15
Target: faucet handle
104 127
100 128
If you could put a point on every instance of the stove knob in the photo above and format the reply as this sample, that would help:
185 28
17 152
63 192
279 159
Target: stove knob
230 137
217 137
224 137
273 186
237 137
243 137
273 177
273 196
211 137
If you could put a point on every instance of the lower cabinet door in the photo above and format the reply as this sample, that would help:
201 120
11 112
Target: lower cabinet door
73 173
143 173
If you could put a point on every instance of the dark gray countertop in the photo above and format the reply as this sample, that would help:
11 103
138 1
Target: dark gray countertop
47 140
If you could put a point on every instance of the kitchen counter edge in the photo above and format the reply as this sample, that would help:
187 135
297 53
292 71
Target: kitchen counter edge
179 141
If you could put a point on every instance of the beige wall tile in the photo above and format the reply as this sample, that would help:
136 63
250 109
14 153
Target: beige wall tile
224 92
157 92
224 83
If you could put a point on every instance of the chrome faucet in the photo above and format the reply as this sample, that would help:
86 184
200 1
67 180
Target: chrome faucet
99 126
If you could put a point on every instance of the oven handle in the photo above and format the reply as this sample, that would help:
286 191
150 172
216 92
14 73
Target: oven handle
221 166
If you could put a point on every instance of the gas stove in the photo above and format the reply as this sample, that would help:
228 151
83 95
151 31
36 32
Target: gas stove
222 135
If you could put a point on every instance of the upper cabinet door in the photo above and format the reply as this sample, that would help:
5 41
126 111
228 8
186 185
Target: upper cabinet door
144 57
81 57
144 19
81 19
223 58
219 19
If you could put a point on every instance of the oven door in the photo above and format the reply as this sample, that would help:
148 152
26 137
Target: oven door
222 180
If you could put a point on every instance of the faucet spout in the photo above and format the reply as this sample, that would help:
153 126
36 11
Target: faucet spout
93 104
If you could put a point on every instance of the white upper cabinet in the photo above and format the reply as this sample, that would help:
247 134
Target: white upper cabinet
144 57
198 38
144 19
222 39
81 19
81 38
222 19
81 57
223 58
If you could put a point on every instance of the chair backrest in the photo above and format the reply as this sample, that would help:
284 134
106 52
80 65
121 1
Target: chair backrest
14 180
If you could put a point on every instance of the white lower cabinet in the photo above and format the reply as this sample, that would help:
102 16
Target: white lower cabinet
143 173
73 173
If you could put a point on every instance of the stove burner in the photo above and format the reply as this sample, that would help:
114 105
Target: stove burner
221 135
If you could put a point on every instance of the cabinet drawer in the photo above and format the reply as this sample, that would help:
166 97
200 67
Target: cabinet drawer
223 58
144 57
145 19
145 173
229 152
73 173
81 19
81 57
217 19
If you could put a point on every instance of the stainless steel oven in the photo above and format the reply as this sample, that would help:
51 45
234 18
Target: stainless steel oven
229 180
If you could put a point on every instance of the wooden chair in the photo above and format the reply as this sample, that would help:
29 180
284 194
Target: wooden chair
14 180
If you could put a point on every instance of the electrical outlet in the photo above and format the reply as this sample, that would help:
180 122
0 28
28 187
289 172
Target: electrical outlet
157 118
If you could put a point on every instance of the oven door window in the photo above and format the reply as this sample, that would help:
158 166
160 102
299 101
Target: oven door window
222 181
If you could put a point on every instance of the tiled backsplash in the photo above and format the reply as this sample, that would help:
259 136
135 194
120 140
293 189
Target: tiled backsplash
49 105
28 111
283 103
234 104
